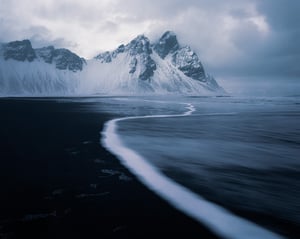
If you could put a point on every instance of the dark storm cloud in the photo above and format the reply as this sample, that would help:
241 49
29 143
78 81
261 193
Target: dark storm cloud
275 52
279 52
282 15
282 49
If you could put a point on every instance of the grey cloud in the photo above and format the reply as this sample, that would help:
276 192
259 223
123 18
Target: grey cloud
38 35
282 15
279 52
108 26
41 41
223 33
76 11
239 13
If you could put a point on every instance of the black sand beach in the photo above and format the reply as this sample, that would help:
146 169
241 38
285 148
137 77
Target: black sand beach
57 181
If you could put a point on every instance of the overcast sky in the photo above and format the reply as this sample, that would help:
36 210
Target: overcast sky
231 37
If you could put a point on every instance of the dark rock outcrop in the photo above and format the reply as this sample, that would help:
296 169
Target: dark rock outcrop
19 51
139 45
148 68
120 49
183 58
188 62
167 44
45 53
23 51
63 58
139 50
104 57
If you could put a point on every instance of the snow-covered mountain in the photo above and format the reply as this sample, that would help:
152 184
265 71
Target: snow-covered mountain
139 67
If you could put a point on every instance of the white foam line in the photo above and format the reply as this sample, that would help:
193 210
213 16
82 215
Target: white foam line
219 220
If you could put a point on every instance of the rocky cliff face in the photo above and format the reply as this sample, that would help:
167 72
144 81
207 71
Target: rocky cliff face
183 58
139 50
19 51
62 58
188 62
23 51
166 45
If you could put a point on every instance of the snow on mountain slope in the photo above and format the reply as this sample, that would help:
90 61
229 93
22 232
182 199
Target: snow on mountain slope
40 72
35 78
137 68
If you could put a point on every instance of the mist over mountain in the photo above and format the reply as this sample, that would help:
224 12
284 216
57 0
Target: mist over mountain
140 67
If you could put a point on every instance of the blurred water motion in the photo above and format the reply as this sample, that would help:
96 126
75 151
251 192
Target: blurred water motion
242 153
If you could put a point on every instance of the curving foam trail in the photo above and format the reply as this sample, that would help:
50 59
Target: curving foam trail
218 219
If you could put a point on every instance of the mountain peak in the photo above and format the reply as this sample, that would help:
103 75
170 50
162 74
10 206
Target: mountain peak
104 57
168 34
187 61
63 58
19 50
46 53
140 37
142 63
166 44
139 45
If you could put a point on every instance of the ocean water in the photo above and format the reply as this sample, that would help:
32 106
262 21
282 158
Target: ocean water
231 163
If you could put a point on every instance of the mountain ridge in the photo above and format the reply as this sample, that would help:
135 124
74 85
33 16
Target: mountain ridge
138 67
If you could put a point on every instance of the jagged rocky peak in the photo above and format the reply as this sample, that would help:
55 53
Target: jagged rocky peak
148 66
167 44
23 51
120 49
104 57
139 57
45 53
19 51
188 62
140 50
139 45
64 59
183 58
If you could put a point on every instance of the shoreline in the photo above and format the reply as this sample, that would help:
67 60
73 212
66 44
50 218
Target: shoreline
180 197
58 182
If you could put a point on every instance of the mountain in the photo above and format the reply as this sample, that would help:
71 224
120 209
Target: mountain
140 67
43 71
